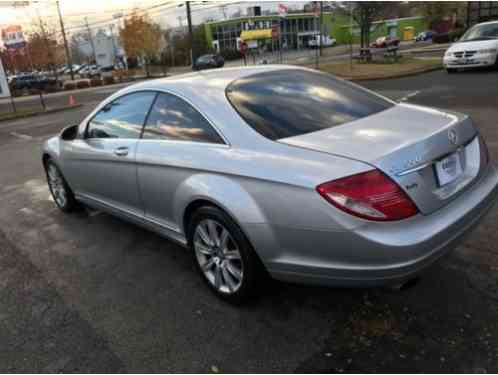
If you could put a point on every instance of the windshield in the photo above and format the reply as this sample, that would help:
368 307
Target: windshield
481 32
287 103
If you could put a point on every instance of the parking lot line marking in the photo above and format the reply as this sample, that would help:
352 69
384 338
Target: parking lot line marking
21 136
408 96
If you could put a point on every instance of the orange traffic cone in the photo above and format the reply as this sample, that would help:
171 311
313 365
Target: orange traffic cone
71 100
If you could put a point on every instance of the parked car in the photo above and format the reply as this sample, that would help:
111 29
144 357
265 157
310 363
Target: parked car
280 170
425 36
89 71
385 42
75 67
61 69
209 62
327 41
80 68
27 82
478 47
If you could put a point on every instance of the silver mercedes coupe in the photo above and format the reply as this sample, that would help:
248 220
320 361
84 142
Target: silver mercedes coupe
280 171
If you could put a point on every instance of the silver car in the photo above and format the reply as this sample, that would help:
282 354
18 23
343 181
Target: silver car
279 170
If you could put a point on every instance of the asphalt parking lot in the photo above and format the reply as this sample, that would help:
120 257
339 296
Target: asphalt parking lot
91 293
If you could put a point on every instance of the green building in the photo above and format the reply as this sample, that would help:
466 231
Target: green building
297 29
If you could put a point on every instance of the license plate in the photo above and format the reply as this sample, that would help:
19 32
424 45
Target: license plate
464 62
449 169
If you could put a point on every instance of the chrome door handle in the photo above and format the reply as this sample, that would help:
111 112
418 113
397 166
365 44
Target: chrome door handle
121 151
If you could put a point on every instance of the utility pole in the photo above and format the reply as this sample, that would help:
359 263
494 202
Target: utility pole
91 40
190 33
47 46
317 52
321 28
351 37
68 55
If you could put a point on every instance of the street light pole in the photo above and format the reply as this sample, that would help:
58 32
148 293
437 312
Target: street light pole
68 55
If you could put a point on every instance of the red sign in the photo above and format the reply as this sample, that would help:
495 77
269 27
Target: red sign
275 31
243 48
282 10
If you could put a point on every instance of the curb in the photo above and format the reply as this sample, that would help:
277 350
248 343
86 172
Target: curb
16 116
428 50
400 75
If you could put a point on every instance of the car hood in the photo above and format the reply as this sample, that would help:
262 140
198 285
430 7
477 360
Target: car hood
474 45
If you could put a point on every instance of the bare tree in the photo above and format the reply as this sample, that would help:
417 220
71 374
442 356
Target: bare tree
364 14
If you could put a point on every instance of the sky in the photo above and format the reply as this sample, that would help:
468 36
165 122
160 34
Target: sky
100 12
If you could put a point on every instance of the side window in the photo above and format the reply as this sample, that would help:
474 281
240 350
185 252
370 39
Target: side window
171 118
203 59
122 118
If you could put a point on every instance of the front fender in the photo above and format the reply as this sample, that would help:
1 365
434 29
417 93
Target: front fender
221 191
52 148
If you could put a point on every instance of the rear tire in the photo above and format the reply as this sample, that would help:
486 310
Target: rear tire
223 256
451 70
61 192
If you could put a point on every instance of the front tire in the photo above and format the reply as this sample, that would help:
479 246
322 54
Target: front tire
61 192
224 257
451 70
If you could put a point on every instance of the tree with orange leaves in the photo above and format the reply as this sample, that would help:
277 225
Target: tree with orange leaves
141 37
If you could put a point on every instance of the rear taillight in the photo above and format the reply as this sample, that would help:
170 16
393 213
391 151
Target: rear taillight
484 151
370 195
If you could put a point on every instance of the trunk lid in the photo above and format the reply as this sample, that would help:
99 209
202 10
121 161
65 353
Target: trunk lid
407 142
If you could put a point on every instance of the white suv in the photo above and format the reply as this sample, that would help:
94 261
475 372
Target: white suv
477 47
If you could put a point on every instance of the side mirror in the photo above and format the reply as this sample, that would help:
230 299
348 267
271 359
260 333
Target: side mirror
69 133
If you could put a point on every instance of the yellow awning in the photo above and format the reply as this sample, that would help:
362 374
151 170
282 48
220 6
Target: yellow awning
255 34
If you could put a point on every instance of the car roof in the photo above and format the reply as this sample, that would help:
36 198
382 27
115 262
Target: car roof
486 23
205 90
211 81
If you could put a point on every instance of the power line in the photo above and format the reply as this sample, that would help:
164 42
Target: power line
152 10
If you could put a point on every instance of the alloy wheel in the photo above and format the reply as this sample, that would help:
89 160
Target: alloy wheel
218 256
57 187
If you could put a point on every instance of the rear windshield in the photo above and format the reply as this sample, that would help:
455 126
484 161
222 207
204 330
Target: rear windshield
291 102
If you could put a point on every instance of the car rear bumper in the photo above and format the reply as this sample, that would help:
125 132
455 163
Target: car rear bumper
471 62
377 253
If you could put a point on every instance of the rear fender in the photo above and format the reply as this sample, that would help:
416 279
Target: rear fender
221 191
